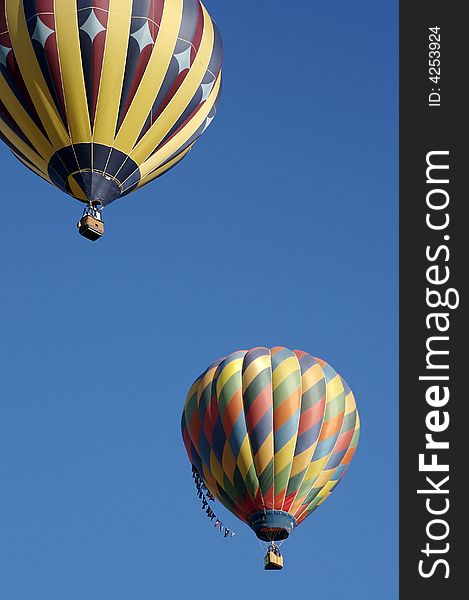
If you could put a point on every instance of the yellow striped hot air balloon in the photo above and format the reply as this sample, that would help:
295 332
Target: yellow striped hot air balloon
269 433
100 97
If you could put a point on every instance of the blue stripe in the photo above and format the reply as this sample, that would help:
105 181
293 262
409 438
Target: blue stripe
329 372
324 447
253 355
261 431
335 460
287 431
204 448
280 356
218 440
307 439
238 434
339 472
307 362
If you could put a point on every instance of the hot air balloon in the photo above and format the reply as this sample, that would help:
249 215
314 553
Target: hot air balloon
100 97
270 433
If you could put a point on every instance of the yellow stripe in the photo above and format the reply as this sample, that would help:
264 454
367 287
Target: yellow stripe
315 469
76 190
323 499
205 381
245 457
284 456
32 75
192 391
327 488
324 478
324 493
357 424
68 44
264 455
228 461
301 461
24 121
216 469
157 172
18 143
180 138
216 474
227 372
300 497
311 377
350 404
113 70
178 104
257 366
334 388
153 77
287 367
318 500
209 480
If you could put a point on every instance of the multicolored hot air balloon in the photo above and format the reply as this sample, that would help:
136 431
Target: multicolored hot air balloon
270 433
100 97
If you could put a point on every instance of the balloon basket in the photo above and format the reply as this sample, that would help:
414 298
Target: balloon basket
272 562
91 227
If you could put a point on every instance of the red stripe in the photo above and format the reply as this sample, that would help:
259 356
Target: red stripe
99 43
44 6
289 501
194 429
195 45
137 77
52 57
3 19
15 77
210 418
189 118
233 409
187 441
348 456
311 416
104 4
155 11
169 96
279 500
332 426
197 34
155 14
250 505
287 409
259 407
344 440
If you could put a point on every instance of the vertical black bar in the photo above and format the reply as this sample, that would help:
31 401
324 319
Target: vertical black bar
434 259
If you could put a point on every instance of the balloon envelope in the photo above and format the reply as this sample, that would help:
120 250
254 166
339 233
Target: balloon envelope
99 97
271 432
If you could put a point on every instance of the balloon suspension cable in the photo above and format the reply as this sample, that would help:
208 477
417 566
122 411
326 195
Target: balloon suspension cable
204 496
94 209
271 544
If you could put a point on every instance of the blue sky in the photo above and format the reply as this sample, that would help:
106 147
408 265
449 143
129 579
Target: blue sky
280 228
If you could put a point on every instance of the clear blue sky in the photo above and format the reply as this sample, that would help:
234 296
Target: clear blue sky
280 228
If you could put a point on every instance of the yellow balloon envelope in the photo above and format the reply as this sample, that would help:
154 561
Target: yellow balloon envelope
99 97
